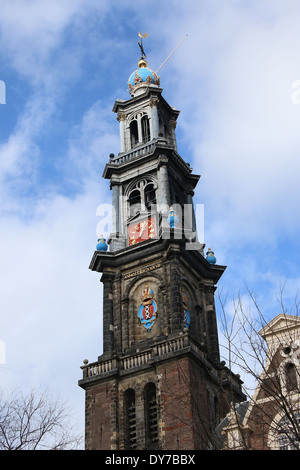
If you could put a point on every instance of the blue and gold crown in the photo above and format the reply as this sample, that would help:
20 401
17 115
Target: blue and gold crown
147 293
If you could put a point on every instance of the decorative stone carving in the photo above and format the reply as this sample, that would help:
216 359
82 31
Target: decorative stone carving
148 308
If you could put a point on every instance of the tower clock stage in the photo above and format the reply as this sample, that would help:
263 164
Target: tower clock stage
159 382
141 230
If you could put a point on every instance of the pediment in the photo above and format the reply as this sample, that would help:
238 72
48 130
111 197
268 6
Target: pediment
280 324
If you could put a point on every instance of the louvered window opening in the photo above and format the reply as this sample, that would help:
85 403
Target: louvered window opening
151 416
145 129
130 420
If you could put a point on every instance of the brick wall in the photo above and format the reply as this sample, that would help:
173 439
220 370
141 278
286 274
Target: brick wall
100 416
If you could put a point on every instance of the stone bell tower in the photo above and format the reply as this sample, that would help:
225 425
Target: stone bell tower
159 383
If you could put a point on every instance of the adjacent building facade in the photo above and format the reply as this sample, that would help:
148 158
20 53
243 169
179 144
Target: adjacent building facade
159 383
271 419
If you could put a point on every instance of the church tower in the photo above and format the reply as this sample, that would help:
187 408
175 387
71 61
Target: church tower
159 383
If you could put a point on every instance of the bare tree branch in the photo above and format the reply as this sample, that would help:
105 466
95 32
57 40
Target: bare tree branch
249 351
35 422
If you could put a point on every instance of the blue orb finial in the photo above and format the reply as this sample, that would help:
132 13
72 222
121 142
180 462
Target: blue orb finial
101 245
210 256
142 77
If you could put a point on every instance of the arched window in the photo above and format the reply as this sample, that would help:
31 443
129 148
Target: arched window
135 201
141 196
288 432
134 135
213 407
145 129
291 377
151 416
129 420
150 198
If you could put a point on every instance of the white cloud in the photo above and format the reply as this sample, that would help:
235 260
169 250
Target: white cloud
19 153
235 75
50 302
92 141
31 30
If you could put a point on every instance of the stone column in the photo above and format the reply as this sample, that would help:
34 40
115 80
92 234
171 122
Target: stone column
117 312
212 329
108 321
173 127
154 117
202 316
163 193
175 294
125 341
117 238
115 204
163 184
121 118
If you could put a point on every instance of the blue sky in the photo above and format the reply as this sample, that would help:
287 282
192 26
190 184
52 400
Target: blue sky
64 63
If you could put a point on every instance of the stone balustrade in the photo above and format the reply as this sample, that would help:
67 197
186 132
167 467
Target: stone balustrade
134 153
169 348
125 363
147 149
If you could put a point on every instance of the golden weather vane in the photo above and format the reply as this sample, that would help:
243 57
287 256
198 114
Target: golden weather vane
145 35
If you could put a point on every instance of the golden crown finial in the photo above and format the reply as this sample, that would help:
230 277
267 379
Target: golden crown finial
147 293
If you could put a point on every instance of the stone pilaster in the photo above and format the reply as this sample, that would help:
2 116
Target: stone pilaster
212 329
108 320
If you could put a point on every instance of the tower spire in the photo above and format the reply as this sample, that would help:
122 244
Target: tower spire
159 318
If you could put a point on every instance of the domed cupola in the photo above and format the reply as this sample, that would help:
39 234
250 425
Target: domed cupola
141 78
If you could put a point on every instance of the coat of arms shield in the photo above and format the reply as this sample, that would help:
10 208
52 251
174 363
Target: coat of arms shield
148 309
